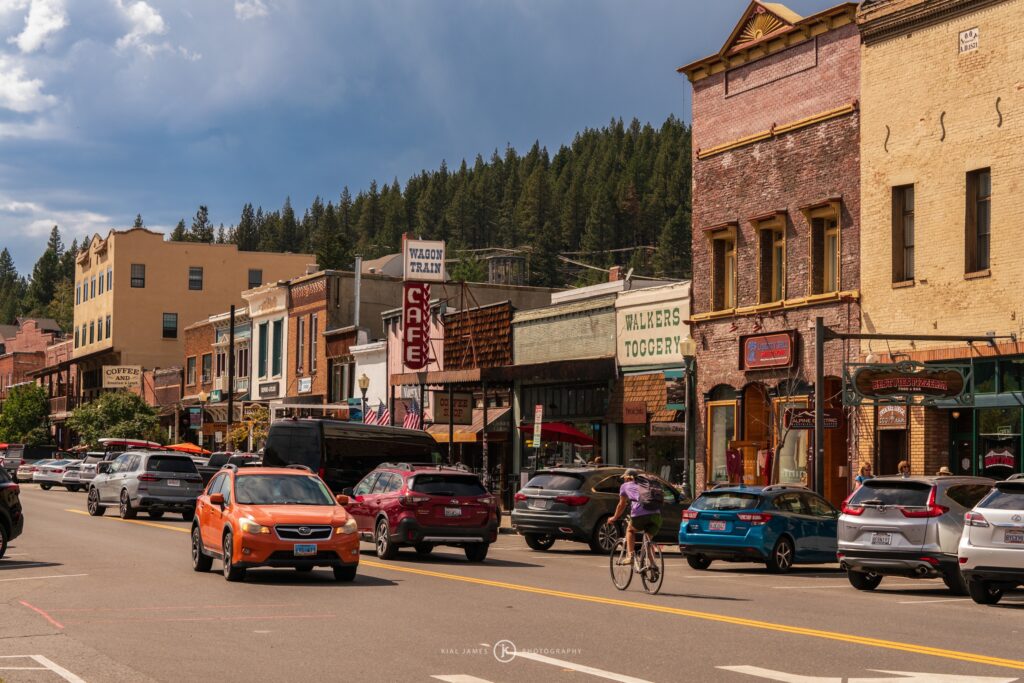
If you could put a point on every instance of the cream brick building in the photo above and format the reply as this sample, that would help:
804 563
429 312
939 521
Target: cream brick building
942 125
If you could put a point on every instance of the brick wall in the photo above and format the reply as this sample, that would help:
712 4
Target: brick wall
198 340
575 334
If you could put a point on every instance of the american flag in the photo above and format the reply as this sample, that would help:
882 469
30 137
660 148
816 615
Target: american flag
381 416
413 417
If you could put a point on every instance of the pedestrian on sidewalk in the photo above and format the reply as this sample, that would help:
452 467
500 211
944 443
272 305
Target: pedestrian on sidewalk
865 474
904 468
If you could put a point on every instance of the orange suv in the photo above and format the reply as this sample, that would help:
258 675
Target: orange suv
273 517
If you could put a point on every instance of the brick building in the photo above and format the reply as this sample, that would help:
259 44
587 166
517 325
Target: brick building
776 187
23 352
941 187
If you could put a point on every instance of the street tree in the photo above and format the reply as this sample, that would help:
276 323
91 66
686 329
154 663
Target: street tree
115 414
24 417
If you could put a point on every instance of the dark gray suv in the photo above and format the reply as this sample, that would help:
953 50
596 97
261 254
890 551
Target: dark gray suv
572 503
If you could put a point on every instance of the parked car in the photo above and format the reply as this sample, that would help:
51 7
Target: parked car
780 525
72 478
218 460
907 526
273 517
991 551
26 470
423 506
152 481
49 474
92 458
12 519
572 503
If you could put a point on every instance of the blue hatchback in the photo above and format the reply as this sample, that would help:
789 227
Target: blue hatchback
780 525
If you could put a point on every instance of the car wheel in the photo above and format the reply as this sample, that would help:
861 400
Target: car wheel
3 540
955 582
345 574
983 593
46 487
781 559
125 508
698 561
187 515
539 541
386 550
93 503
605 537
864 581
231 572
155 514
201 562
424 549
477 552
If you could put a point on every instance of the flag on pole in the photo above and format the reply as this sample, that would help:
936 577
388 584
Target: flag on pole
380 416
413 418
384 418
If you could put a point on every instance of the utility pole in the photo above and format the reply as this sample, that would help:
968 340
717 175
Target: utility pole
231 370
819 405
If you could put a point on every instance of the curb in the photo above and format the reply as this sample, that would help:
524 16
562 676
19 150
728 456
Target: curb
507 530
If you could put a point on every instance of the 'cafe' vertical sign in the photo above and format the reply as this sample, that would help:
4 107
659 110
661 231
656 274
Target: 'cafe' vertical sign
424 262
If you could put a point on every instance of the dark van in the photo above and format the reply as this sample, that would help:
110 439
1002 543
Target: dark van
342 453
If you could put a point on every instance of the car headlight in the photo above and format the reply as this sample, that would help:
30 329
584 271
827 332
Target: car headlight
349 527
251 527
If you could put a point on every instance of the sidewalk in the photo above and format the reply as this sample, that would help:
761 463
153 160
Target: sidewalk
506 523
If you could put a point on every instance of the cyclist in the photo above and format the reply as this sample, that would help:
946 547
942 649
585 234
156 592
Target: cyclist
641 518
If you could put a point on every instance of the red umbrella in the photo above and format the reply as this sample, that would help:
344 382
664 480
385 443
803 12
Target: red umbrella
188 448
559 431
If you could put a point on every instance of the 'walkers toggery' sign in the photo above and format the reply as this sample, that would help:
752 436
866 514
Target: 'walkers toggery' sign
652 334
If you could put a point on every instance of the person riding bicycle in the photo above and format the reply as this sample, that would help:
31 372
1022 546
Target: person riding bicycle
641 518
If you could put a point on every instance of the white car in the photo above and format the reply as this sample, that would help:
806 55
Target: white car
50 474
991 551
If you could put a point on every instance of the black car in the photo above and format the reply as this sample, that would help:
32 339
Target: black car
12 520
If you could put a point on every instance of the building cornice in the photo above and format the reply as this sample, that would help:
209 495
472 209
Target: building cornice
878 21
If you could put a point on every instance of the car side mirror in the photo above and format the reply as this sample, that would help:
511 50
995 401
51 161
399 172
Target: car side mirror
348 492
342 499
216 498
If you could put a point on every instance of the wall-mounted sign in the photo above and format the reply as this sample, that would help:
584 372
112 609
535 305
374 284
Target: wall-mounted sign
305 385
969 40
423 260
269 390
195 417
415 325
634 413
669 429
654 333
768 351
908 380
675 389
122 376
891 417
538 419
216 396
459 409
803 418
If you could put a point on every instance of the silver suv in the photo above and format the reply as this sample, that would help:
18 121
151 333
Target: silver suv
907 526
154 481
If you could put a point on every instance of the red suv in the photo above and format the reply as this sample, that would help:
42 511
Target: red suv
402 504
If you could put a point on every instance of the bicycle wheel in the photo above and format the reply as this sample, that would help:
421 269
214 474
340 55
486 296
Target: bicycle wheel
622 570
654 573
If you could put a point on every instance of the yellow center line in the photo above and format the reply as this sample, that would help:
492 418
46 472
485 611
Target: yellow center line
676 611
140 522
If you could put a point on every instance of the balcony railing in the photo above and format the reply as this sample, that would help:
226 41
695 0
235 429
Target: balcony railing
62 404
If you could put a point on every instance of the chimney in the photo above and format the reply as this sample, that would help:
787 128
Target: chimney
615 274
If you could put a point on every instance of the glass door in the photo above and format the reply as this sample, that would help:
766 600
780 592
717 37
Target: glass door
721 430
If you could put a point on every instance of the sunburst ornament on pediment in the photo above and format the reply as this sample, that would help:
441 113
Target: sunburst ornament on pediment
760 24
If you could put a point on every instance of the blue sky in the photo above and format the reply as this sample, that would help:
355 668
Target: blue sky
110 108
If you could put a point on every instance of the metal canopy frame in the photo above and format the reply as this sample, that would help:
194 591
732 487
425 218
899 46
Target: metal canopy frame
853 397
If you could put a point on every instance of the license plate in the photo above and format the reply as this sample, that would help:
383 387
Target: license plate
453 512
539 504
716 525
304 549
1014 536
881 539
174 482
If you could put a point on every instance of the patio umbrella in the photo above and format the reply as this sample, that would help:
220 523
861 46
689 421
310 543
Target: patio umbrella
189 448
559 431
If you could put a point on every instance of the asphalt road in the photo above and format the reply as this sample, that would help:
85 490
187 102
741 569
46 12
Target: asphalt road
84 599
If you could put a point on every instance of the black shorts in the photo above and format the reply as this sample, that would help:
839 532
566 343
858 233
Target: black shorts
649 523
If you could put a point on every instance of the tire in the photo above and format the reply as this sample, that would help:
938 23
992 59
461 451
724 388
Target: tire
621 571
187 515
125 509
654 575
201 562
3 540
92 504
155 514
231 572
46 487
345 574
864 581
983 593
604 537
698 561
477 552
539 541
781 559
386 550
424 549
304 570
955 582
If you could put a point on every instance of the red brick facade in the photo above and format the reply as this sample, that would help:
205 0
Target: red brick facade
199 339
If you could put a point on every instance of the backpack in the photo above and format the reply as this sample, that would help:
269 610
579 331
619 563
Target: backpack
651 495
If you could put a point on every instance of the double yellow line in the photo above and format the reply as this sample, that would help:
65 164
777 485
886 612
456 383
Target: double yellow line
675 611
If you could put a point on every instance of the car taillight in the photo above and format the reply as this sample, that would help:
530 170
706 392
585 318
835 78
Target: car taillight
573 501
520 497
930 509
58 471
755 518
975 519
148 477
486 500
690 514
409 500
855 510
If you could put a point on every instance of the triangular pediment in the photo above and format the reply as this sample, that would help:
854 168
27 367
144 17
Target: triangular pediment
760 20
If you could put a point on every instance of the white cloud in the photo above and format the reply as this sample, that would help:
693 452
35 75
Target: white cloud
45 18
145 22
18 92
12 5
250 9
35 220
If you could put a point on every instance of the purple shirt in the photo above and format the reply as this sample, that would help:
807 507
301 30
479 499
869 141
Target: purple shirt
631 490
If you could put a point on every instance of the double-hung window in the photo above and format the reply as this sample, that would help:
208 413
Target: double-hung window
195 278
170 326
723 266
823 219
300 343
314 331
903 233
190 371
255 277
771 250
138 275
207 367
979 220
277 350
263 340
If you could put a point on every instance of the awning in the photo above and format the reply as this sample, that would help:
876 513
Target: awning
471 433
562 432
190 448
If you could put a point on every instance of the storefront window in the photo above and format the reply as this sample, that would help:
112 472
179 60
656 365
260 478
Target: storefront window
1011 373
985 377
792 448
721 430
998 442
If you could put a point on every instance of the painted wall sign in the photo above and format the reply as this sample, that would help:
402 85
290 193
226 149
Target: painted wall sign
669 429
969 40
460 408
415 325
803 418
634 413
654 333
768 351
423 260
908 380
122 376
675 389
891 417
269 390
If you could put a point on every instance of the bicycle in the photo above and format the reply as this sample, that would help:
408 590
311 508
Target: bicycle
648 562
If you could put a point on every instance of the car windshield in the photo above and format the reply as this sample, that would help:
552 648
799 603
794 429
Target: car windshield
903 493
1005 497
727 500
555 481
164 463
281 489
92 459
447 485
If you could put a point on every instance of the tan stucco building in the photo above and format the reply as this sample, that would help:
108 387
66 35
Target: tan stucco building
941 129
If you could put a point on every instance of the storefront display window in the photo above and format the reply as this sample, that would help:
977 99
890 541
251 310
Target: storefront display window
721 430
998 442
662 456
792 447
985 377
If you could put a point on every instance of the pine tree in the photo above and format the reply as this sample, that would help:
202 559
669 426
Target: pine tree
288 232
246 233
674 257
46 273
202 228
138 221
179 234
11 289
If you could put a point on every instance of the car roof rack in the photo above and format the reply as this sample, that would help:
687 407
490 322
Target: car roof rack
416 465
782 487
233 468
294 466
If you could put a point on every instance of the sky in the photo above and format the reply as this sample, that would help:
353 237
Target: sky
110 108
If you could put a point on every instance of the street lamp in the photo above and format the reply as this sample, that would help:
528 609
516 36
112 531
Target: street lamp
364 384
